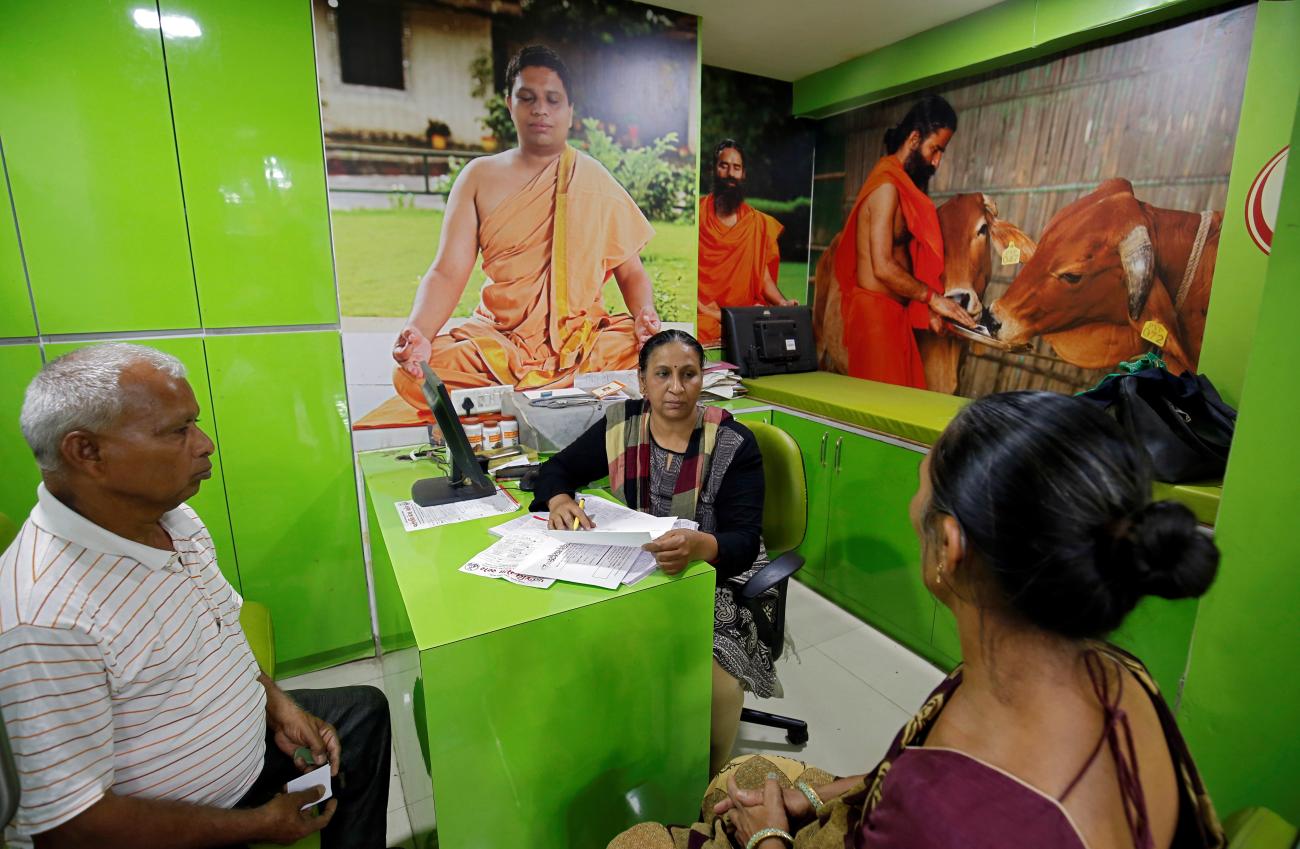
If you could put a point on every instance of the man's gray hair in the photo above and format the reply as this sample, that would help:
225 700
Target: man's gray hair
82 391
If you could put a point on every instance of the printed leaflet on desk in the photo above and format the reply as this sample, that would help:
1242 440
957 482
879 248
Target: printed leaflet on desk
417 518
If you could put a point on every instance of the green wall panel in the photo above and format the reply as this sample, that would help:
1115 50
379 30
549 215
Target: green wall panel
1241 704
16 316
210 502
18 364
1272 78
91 158
1009 32
281 410
243 85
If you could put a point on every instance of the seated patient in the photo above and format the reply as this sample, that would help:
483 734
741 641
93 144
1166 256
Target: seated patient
668 456
1037 530
136 711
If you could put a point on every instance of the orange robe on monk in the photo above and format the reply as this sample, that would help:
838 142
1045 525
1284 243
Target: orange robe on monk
732 262
547 252
878 328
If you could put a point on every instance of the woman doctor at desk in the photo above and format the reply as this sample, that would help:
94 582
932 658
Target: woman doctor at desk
668 456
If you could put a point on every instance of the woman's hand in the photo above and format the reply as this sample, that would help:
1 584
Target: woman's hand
411 349
564 510
797 806
745 819
675 550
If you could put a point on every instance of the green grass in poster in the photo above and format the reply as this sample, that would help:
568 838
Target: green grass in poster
382 254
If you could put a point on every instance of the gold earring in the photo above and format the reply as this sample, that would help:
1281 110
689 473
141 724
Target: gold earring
940 576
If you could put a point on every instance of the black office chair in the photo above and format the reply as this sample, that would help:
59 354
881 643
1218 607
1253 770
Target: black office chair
785 520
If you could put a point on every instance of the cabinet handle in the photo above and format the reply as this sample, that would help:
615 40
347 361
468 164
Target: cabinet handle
839 443
825 436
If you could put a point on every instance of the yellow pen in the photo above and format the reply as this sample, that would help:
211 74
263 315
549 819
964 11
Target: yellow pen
582 505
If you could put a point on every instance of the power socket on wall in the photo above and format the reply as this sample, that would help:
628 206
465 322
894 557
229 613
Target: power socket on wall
486 399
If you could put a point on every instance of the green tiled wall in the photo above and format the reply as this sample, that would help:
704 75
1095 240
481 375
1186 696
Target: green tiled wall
172 179
16 317
248 133
292 490
87 134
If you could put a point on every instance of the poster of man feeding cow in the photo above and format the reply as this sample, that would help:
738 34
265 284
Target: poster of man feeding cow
1033 227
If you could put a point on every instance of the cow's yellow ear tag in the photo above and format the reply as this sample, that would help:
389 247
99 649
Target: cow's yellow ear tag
1010 255
1155 333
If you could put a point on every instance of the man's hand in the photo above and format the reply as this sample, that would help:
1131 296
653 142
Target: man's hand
675 550
951 310
564 510
647 325
411 349
746 819
285 823
296 729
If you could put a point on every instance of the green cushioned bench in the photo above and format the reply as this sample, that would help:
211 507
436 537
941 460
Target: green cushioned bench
914 415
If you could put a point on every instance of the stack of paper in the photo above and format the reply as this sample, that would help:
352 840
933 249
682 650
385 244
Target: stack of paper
530 554
417 518
722 382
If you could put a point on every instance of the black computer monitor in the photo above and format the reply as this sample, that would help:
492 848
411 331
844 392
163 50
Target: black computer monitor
465 480
769 340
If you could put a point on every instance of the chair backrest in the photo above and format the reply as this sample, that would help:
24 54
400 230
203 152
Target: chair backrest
785 501
10 788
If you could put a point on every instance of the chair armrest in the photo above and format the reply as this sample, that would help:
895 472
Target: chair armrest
772 574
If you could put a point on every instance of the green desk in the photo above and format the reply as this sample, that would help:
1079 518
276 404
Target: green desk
538 718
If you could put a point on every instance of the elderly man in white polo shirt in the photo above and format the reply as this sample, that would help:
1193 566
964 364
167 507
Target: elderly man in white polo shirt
136 712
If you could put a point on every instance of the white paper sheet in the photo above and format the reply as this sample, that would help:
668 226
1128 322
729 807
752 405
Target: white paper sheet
520 524
597 565
602 537
316 778
506 557
417 518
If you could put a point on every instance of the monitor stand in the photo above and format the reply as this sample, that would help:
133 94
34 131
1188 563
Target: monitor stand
431 492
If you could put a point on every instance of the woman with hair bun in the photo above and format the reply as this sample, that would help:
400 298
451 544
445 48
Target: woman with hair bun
1037 530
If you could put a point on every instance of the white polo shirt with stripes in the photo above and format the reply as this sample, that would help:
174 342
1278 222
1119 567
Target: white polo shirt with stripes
123 667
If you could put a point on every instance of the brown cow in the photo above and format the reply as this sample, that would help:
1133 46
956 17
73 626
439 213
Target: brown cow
1106 265
972 234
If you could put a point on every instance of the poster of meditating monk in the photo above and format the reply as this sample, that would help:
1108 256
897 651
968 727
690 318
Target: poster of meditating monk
755 196
1033 227
520 209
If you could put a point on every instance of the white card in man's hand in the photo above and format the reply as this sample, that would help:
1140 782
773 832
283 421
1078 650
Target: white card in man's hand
319 777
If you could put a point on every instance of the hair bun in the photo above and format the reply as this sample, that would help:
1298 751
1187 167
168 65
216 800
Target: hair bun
1172 557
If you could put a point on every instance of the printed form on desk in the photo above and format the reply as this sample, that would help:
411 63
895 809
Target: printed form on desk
528 554
417 518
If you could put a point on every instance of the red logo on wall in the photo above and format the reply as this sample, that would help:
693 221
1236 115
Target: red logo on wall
1262 200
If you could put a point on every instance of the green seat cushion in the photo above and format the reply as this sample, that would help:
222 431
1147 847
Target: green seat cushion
1258 828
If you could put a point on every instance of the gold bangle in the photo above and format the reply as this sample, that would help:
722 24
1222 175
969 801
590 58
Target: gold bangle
811 794
764 833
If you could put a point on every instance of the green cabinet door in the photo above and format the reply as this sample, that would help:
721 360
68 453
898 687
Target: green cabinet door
210 501
247 115
87 130
18 364
279 405
813 439
872 554
16 316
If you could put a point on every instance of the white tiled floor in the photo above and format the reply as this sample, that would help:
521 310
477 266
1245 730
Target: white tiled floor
853 686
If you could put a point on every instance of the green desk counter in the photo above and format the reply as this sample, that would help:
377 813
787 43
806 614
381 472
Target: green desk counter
554 717
913 415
